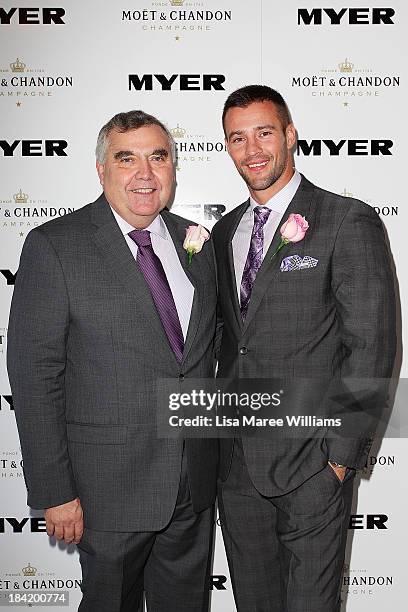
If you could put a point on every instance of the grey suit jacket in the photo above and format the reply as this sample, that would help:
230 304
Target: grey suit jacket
86 350
329 322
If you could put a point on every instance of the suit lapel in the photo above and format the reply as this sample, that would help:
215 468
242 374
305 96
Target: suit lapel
119 260
193 271
240 210
301 204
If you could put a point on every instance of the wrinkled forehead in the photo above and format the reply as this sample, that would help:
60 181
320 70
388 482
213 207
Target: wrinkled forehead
144 139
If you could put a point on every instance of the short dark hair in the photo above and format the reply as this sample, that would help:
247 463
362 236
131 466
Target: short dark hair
245 96
124 122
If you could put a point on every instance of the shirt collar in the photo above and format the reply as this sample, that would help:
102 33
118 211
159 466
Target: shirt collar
281 200
157 226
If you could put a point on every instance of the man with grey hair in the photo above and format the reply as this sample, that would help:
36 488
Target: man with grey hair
105 305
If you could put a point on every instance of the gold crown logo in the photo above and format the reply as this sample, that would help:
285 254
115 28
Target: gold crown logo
17 66
176 2
346 194
29 570
178 132
346 66
20 197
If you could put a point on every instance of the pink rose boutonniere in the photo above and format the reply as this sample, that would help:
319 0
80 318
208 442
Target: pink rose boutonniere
293 230
196 235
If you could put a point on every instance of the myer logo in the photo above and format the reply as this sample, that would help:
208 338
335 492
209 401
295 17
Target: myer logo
344 147
15 525
33 148
182 82
368 521
9 276
349 16
218 582
32 16
214 212
6 401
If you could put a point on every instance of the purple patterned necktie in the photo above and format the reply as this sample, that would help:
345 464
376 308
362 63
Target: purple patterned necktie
254 258
155 276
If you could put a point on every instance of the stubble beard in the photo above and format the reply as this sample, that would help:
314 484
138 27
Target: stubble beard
261 184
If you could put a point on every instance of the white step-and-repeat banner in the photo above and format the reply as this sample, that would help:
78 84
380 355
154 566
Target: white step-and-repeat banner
67 66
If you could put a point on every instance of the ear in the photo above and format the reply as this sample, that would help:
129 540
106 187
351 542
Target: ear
290 136
100 168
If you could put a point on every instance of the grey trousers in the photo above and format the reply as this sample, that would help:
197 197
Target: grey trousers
172 566
286 553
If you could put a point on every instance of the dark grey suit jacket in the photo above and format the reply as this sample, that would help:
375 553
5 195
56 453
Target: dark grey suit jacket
86 349
329 322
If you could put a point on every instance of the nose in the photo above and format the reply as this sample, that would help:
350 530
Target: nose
253 146
143 169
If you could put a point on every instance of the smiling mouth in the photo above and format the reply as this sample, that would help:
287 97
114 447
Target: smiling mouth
257 165
144 190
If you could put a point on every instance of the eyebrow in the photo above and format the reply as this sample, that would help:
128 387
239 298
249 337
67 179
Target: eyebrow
120 154
162 152
258 127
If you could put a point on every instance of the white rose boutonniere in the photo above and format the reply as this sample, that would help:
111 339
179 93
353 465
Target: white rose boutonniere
196 235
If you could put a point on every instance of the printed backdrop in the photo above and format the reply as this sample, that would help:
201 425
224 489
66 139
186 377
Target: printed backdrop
67 66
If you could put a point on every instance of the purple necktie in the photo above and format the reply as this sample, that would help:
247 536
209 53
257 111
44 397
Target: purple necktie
254 258
152 269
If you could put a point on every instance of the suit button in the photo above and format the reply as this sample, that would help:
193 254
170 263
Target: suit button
243 350
181 377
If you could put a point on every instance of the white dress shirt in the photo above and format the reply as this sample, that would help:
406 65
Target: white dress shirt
162 243
242 237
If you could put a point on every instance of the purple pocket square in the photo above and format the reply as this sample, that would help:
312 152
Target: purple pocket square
295 262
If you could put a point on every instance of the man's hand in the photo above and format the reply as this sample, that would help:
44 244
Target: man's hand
65 521
339 471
